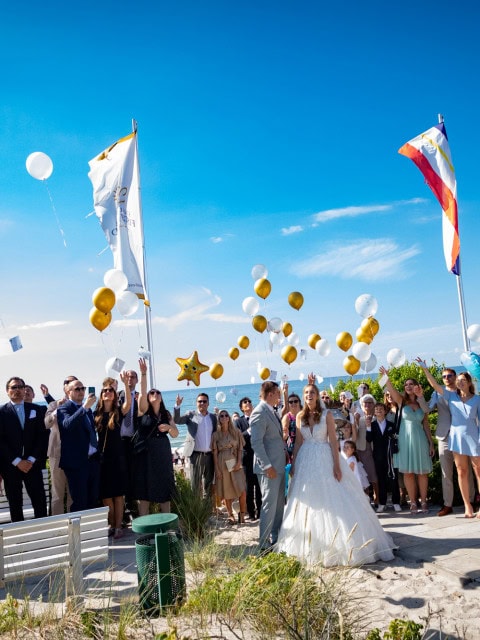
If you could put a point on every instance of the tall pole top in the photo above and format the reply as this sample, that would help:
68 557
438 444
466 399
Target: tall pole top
440 119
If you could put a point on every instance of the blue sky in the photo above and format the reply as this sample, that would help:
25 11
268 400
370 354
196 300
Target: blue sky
268 133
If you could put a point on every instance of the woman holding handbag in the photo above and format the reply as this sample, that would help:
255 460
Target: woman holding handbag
414 458
153 477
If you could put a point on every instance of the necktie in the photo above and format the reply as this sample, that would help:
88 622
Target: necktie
20 409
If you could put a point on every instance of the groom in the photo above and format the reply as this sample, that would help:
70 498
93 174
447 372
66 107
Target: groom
269 462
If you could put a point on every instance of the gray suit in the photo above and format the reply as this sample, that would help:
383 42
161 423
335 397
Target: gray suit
201 461
269 448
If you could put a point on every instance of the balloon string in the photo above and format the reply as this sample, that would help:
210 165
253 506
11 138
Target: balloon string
55 214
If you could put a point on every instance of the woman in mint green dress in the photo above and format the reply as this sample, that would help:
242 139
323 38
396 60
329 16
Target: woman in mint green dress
415 445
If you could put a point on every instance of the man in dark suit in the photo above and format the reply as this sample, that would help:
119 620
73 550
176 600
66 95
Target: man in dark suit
21 446
42 409
79 457
269 462
254 495
200 424
380 434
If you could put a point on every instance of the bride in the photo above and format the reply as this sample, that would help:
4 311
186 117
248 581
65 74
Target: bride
328 518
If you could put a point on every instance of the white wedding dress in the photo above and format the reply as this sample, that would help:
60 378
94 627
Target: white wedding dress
329 522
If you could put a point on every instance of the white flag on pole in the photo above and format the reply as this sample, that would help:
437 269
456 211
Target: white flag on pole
116 198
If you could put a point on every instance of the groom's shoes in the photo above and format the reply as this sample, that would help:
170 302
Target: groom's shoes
446 511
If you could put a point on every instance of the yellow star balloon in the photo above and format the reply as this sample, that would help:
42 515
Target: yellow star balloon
191 368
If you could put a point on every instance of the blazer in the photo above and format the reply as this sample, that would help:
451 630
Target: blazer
74 435
191 419
380 441
267 439
16 442
247 455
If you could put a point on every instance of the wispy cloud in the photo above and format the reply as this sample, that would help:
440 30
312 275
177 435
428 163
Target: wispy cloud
287 231
354 211
44 325
216 239
368 260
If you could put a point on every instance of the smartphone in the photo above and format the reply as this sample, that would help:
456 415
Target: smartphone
91 390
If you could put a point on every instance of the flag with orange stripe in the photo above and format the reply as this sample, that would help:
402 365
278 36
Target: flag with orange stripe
430 151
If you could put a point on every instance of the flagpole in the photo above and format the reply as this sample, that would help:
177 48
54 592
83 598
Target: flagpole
461 299
146 306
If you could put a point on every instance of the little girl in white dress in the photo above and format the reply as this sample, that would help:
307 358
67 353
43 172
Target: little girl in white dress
349 453
327 519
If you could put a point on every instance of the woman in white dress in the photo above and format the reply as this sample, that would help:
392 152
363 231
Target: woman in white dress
328 519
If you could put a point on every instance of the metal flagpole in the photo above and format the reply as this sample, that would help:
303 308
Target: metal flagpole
461 300
146 306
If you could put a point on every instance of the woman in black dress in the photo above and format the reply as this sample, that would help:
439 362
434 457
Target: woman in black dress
108 418
153 477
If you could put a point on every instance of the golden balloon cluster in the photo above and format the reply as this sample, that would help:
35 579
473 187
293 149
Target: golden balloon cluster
366 306
113 293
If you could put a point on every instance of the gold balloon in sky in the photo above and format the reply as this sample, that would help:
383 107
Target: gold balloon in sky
289 354
103 299
259 323
191 368
362 335
234 353
313 339
243 342
99 319
264 373
371 325
287 329
295 300
262 287
351 365
344 340
216 370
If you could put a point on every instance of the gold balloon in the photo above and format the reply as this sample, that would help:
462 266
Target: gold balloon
363 336
287 329
259 323
295 300
289 354
262 287
313 339
243 342
191 369
351 365
103 299
99 319
216 370
344 340
264 373
234 353
371 325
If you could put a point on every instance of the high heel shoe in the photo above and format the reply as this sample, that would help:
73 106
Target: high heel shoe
231 518
241 517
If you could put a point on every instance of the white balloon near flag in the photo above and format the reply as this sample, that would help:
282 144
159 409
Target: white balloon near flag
39 165
127 303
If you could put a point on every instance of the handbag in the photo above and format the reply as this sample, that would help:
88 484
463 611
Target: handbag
393 442
140 444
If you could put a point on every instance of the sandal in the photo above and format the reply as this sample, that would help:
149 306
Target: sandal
413 508
231 519
424 507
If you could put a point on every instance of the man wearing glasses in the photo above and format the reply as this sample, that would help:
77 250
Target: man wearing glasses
200 424
444 421
79 447
57 475
21 443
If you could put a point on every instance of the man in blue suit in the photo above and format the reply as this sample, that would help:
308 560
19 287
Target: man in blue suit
21 447
79 457
269 462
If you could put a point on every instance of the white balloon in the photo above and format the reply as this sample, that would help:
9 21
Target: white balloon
366 305
370 364
473 332
322 347
361 351
396 357
293 339
250 306
39 165
220 396
116 280
127 303
276 338
275 325
144 353
259 271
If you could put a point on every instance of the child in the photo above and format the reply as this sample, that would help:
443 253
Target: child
350 454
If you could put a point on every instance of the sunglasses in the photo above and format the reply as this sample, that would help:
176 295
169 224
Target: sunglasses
79 388
202 401
293 402
15 387
448 375
108 390
154 392
224 415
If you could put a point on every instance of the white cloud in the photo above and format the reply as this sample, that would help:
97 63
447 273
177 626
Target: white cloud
287 231
368 260
216 239
44 325
354 211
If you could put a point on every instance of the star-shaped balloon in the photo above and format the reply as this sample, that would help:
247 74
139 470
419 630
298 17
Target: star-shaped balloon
191 368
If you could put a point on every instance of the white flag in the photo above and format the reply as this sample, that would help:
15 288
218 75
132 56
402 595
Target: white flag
116 198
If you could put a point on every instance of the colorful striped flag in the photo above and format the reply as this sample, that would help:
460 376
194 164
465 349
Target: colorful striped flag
431 153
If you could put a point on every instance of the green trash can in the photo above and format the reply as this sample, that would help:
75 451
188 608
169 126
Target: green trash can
160 562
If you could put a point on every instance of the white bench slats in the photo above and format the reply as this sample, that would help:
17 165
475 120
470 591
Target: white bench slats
27 504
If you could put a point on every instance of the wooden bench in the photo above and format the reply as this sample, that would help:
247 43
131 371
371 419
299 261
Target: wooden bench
68 541
27 505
